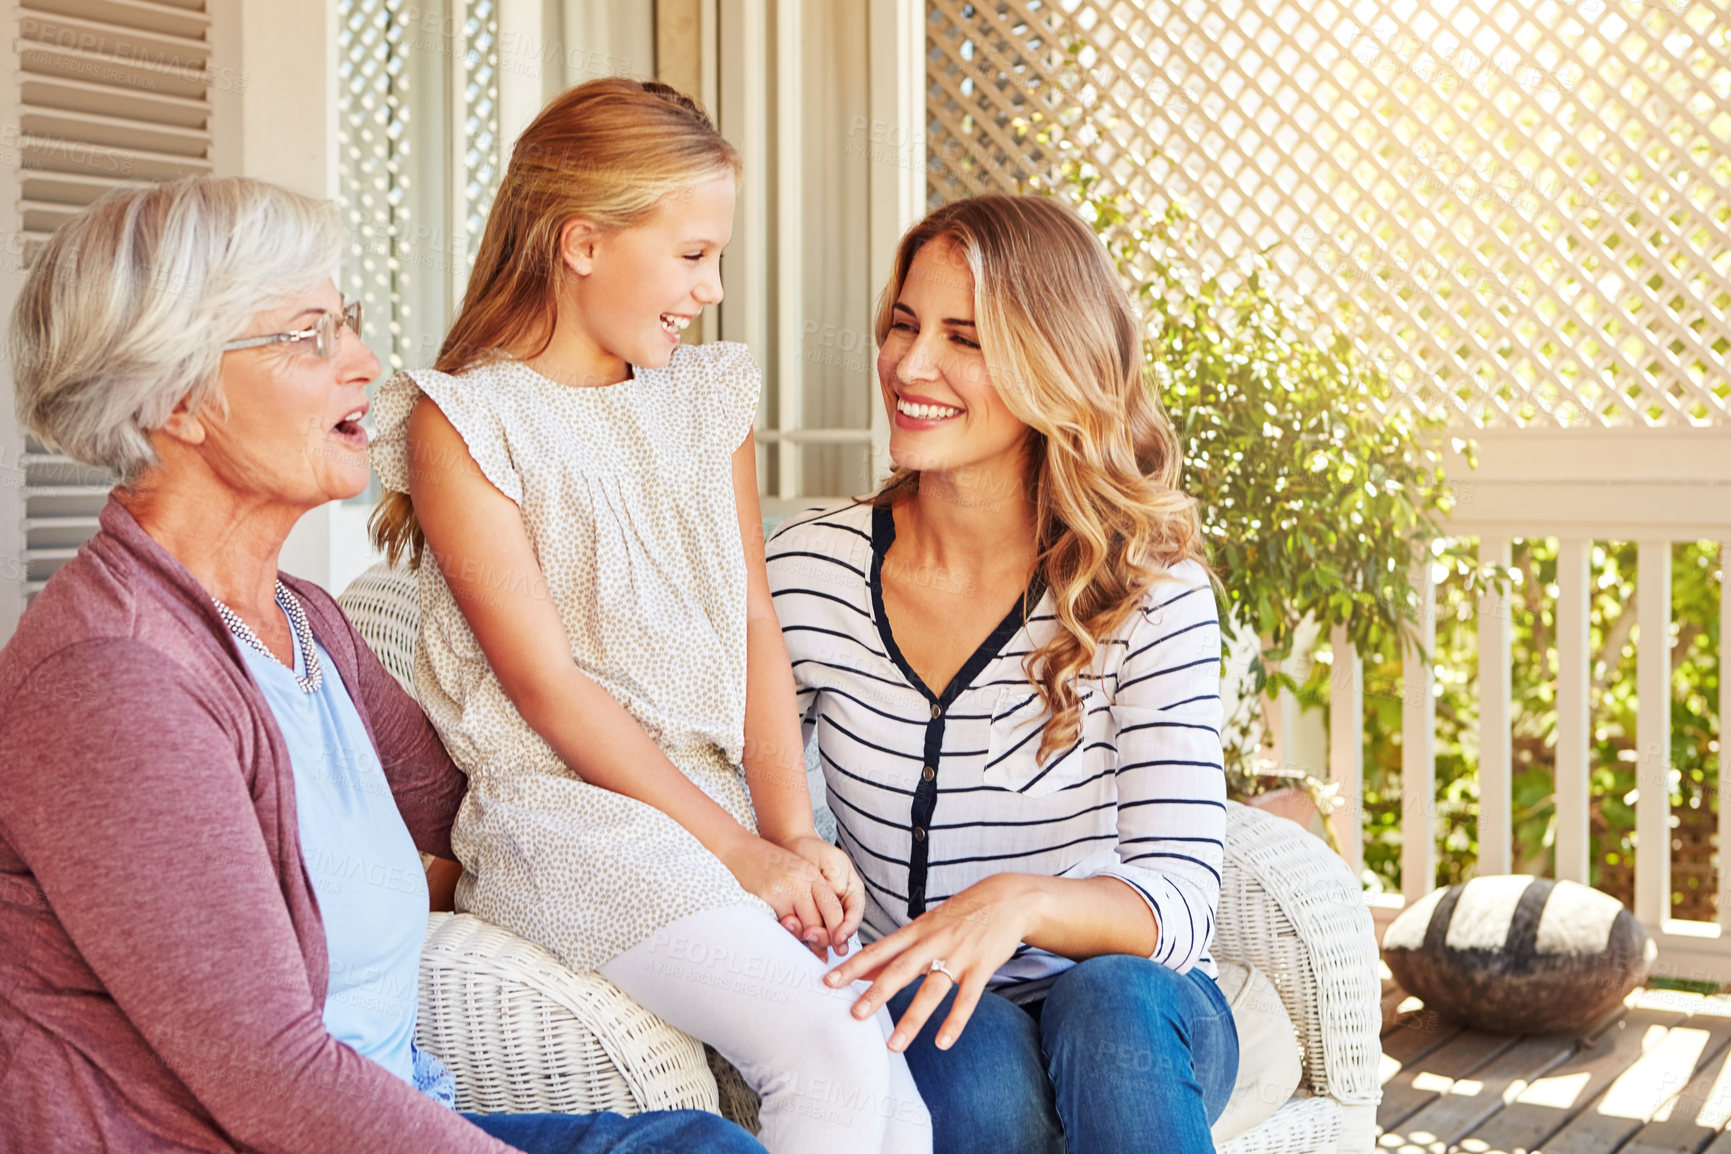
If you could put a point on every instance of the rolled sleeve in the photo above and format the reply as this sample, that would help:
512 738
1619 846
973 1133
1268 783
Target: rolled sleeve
1170 775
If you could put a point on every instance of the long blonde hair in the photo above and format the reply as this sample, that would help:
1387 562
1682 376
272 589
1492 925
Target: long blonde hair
1064 349
608 151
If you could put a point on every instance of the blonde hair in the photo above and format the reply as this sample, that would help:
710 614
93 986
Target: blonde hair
1064 350
608 151
127 306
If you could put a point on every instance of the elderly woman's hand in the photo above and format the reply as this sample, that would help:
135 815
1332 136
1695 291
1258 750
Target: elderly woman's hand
972 934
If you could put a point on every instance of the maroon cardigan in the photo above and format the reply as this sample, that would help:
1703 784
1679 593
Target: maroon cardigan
162 960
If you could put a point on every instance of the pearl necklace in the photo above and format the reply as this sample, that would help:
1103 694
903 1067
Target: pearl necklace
298 625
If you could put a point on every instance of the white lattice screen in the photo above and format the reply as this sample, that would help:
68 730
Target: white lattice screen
375 151
1524 204
481 168
419 139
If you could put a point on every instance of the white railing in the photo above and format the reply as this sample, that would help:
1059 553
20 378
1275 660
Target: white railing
1654 487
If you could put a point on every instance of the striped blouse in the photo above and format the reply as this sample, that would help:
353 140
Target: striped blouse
934 791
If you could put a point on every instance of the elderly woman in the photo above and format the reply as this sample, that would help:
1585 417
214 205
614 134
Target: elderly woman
211 904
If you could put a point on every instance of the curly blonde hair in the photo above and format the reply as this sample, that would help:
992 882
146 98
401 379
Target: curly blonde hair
1063 347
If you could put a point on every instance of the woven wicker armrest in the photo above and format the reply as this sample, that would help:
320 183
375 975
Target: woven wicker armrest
523 1034
1290 907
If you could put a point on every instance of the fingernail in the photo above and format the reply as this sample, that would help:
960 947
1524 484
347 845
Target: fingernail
944 1041
862 1009
898 1043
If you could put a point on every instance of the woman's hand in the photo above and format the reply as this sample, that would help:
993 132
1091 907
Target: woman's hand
973 934
844 882
794 886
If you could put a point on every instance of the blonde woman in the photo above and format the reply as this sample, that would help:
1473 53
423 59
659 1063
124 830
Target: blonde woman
598 647
1011 660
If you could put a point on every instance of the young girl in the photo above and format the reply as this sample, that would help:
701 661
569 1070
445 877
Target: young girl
598 647
1021 737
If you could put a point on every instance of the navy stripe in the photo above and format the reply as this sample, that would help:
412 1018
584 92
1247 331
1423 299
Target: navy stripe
1139 888
1034 821
1014 709
1157 606
786 629
1050 766
883 821
1024 853
1184 904
1219 805
863 847
1162 640
1029 736
839 727
1179 856
1146 764
1123 685
844 669
863 704
884 890
825 757
1168 725
825 557
819 522
1107 772
790 590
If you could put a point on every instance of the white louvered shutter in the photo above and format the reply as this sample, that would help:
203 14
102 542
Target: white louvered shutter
111 93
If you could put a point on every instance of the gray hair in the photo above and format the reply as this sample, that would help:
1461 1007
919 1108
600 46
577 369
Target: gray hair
126 308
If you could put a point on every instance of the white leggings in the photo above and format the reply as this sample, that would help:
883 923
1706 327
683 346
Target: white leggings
739 981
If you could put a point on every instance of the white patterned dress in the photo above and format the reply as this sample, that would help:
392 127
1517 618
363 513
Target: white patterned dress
626 492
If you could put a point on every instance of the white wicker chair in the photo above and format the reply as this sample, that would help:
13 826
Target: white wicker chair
1291 908
522 1033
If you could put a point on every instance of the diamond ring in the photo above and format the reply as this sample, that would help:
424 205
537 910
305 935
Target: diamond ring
938 967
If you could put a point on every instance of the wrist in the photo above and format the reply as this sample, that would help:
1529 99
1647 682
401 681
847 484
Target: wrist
1036 903
727 842
784 834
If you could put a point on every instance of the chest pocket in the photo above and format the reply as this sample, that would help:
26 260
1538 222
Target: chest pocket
1012 752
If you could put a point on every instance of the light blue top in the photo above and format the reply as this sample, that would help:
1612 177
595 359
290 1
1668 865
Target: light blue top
365 870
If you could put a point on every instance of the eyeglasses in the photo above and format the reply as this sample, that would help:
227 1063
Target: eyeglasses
323 334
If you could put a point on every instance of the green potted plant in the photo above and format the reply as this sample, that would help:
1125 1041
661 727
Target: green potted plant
1317 489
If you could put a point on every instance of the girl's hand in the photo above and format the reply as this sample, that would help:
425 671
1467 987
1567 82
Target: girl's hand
794 887
844 883
973 934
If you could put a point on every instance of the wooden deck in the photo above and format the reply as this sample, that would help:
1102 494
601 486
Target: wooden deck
1655 1076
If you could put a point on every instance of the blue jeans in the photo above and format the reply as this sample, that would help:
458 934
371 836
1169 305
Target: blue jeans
659 1132
1124 1055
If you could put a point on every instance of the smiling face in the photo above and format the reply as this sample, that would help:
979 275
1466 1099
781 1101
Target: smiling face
291 435
945 413
637 289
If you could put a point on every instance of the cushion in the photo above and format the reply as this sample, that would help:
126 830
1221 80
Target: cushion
1269 1064
1519 955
